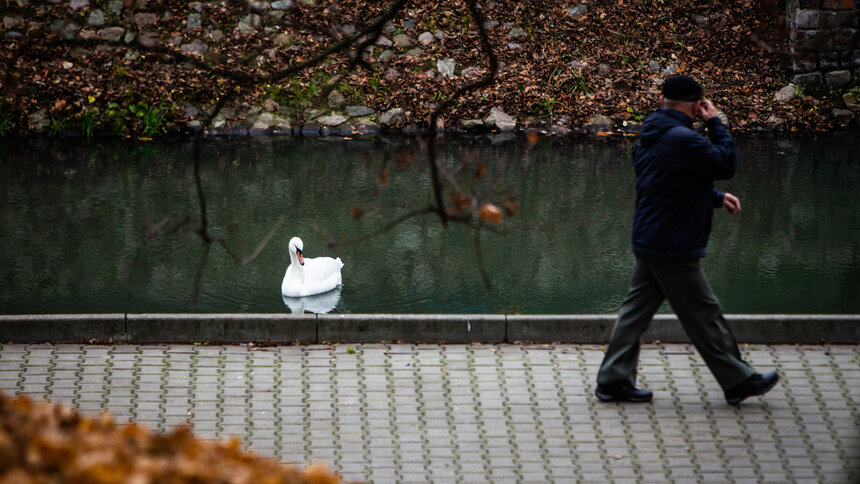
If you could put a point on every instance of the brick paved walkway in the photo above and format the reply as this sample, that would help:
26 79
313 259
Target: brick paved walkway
473 413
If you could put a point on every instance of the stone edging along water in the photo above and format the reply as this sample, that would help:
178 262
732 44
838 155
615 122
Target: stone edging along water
405 328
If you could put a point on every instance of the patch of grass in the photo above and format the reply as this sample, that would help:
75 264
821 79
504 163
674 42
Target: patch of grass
116 119
546 106
377 86
576 84
58 124
151 116
298 95
7 122
89 118
89 122
465 22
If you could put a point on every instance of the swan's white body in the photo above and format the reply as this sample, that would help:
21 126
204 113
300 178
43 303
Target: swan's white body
306 277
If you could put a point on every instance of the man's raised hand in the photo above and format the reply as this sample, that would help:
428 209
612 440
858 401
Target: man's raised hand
707 110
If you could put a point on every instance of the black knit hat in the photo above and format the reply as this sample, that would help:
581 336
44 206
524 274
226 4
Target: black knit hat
682 88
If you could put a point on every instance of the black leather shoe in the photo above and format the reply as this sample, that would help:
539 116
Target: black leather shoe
622 392
757 384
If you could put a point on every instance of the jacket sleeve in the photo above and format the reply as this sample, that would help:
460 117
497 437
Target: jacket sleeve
714 160
718 198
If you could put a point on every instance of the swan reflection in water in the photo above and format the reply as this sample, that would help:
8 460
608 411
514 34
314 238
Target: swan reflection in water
318 303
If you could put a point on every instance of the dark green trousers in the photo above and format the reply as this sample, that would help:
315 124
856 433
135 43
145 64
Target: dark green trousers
686 287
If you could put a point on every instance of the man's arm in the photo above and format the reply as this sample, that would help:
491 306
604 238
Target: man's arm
717 159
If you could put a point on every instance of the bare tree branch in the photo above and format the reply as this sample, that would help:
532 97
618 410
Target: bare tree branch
432 151
331 243
203 230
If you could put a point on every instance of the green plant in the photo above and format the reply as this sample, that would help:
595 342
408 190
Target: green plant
431 22
296 95
58 124
153 122
116 118
89 118
637 117
576 85
89 122
376 85
798 91
6 121
151 116
465 22
547 106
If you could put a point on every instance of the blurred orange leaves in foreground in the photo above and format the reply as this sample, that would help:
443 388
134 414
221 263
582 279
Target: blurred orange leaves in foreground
491 213
44 443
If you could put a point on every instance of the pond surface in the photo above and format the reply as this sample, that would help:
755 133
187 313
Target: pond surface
74 219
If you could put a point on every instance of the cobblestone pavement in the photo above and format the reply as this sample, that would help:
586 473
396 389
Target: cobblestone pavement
473 413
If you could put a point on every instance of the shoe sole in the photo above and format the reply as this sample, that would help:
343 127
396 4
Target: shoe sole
603 397
737 401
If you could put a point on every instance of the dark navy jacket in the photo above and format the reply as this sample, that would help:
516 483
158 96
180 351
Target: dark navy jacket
675 196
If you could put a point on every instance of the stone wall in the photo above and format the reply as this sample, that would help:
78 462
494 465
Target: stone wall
824 42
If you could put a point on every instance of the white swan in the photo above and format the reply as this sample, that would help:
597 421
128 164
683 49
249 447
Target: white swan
318 303
306 277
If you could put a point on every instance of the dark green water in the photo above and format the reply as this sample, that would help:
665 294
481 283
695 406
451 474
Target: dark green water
73 217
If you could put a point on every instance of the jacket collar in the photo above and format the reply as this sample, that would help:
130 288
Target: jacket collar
676 115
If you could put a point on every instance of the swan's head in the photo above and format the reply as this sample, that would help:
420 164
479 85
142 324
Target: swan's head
296 248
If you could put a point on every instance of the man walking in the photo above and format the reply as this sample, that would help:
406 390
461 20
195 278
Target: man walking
675 200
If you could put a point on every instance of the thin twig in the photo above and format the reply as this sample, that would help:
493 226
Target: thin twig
250 258
203 230
198 276
331 243
479 257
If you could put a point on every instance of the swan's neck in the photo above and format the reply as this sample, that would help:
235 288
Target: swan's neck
297 268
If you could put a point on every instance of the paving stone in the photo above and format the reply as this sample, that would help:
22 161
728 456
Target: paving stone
459 413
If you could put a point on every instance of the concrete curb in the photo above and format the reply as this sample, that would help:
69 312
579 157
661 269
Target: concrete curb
412 328
406 328
221 328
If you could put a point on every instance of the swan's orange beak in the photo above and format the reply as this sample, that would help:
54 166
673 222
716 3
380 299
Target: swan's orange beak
301 259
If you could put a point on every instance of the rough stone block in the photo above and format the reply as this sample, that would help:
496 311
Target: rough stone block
804 62
828 61
812 79
807 3
811 40
827 21
845 39
847 19
837 4
837 78
807 19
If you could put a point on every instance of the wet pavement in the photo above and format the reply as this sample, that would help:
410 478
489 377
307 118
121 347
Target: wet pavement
472 413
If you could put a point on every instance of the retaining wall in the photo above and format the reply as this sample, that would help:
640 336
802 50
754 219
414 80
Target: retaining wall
406 328
824 41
